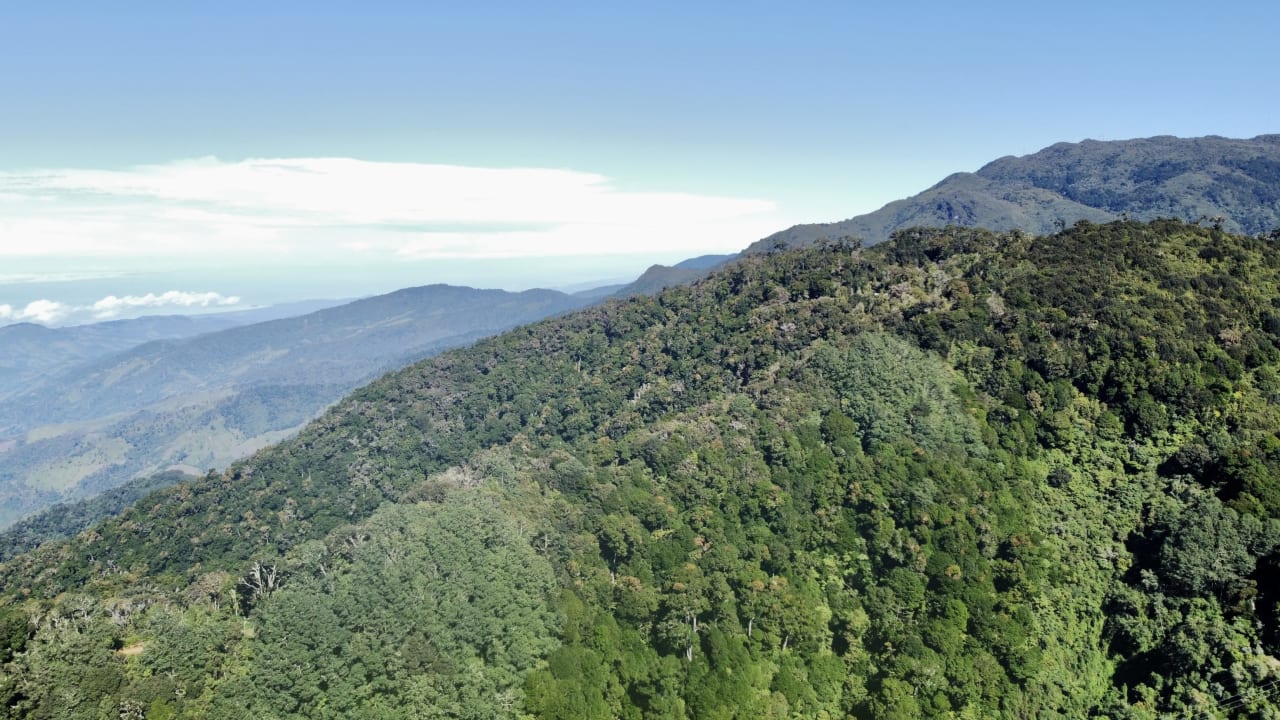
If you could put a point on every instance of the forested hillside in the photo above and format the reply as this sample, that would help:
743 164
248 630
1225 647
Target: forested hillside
67 519
959 474
202 402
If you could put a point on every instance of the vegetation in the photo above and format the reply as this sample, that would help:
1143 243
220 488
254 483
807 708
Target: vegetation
67 519
960 474
205 401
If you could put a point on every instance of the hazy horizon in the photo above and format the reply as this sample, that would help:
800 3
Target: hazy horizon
164 159
86 297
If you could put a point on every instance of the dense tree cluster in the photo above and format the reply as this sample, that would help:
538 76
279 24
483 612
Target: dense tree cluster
961 474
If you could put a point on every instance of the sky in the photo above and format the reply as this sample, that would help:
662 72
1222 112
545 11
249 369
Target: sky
163 157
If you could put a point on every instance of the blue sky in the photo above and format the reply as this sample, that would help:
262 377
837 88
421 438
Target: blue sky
723 120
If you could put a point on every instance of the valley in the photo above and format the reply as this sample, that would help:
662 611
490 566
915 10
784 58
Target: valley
206 400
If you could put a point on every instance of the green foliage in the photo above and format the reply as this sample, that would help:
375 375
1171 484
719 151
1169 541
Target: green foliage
893 391
66 519
959 475
208 400
1206 547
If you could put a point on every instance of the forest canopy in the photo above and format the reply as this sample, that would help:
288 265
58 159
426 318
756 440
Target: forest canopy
960 474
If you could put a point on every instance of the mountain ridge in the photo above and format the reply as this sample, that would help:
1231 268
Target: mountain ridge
30 352
962 473
205 400
1237 180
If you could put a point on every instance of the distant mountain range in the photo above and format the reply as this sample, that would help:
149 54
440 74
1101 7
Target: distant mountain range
660 277
30 352
203 401
1209 177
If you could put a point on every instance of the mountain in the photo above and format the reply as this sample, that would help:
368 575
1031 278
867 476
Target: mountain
64 520
598 293
705 262
341 344
30 353
1160 177
660 277
203 401
958 474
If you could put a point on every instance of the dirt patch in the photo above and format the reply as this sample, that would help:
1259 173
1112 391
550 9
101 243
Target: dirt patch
131 650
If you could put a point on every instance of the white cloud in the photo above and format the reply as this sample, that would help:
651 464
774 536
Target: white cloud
52 312
112 306
45 312
329 208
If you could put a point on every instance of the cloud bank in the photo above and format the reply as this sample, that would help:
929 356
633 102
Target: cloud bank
111 306
52 312
334 208
45 312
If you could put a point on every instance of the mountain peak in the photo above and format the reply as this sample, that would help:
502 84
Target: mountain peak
1094 180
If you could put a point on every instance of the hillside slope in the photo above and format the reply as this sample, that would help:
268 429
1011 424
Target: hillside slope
30 353
336 344
660 277
960 474
204 401
1144 179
